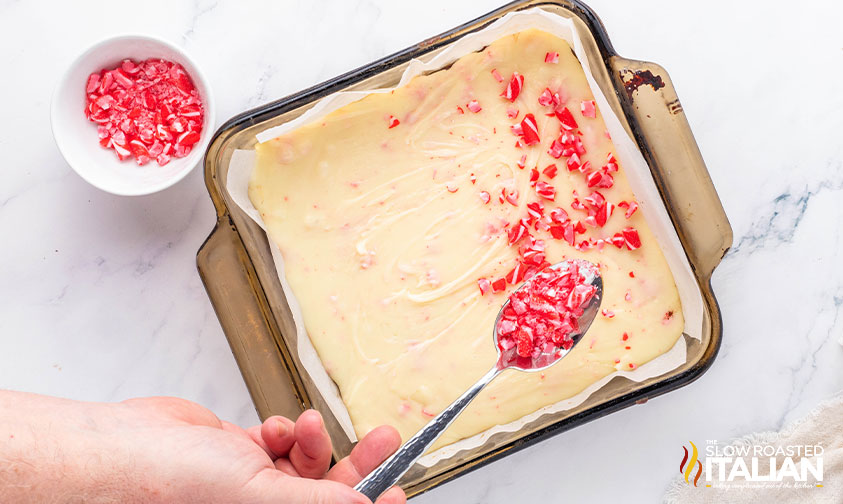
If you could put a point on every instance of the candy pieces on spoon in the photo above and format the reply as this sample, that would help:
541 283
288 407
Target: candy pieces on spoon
541 316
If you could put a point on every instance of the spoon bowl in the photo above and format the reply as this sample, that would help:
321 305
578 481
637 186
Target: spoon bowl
509 358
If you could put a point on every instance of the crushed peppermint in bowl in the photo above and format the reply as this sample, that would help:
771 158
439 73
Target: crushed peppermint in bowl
133 115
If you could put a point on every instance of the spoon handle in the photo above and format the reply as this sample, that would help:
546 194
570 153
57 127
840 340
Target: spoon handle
388 473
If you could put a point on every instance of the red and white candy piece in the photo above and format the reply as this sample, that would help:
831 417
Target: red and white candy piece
513 89
588 109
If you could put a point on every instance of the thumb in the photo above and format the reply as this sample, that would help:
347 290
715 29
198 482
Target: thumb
272 486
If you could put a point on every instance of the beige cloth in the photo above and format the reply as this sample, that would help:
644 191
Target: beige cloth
823 426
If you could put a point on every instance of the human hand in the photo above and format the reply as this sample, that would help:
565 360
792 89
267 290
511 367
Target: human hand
278 461
171 450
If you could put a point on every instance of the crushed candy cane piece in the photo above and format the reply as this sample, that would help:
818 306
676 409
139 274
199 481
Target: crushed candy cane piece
484 285
546 99
600 178
631 238
588 109
511 197
516 232
513 89
566 118
529 130
630 207
545 190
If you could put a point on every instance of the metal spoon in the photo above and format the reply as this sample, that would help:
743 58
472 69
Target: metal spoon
388 473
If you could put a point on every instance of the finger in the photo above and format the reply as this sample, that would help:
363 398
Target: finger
373 449
392 496
272 487
276 434
311 454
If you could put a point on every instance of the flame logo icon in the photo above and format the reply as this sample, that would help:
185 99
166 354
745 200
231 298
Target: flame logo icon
689 468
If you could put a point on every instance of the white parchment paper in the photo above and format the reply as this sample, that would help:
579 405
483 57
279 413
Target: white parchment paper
637 173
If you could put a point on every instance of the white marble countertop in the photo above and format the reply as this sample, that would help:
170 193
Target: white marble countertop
100 298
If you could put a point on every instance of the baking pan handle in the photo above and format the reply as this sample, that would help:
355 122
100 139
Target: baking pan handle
647 93
226 271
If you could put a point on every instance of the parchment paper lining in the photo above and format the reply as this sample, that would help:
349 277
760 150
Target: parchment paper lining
637 173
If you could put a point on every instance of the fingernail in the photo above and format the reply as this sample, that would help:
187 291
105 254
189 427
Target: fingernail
281 428
321 420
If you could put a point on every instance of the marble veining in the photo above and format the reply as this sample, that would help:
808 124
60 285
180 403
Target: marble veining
783 215
100 299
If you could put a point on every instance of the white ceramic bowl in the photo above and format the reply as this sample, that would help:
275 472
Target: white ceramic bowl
76 136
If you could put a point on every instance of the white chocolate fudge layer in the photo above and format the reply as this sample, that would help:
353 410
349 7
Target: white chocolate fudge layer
389 211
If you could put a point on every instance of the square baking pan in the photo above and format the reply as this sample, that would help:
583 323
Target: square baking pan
238 271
